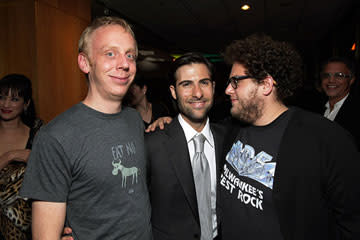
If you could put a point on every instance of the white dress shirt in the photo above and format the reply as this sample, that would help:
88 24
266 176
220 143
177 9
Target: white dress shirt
209 151
332 114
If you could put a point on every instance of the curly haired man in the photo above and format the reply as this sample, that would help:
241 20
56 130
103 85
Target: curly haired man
288 173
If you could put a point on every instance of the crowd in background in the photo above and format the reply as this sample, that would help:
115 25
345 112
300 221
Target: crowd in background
72 183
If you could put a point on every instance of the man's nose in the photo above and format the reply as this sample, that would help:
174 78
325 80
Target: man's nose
197 91
122 62
229 89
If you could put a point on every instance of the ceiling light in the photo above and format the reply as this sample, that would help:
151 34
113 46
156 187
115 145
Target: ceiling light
245 7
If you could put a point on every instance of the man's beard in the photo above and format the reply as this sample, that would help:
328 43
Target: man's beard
190 113
248 111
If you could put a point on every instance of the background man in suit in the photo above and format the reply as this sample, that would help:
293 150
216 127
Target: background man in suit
175 208
337 80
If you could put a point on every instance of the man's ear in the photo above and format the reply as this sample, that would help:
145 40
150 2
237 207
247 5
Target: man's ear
173 92
84 63
268 85
213 83
352 80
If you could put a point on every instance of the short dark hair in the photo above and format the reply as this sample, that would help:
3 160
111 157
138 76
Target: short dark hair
20 86
349 63
263 56
186 59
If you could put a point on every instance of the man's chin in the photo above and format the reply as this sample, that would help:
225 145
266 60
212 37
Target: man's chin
197 118
238 116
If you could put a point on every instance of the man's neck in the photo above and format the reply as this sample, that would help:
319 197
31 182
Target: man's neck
334 100
270 113
197 126
103 105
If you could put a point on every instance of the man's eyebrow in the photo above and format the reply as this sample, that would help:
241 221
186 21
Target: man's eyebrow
185 80
205 79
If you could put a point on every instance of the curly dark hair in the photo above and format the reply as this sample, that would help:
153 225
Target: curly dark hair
263 56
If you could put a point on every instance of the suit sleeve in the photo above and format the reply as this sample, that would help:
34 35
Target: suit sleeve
342 189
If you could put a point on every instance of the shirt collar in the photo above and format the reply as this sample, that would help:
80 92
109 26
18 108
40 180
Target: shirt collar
338 104
190 132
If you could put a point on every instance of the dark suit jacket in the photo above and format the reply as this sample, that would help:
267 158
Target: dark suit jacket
348 116
172 191
315 191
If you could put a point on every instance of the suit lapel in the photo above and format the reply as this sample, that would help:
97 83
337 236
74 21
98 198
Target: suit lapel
179 156
218 135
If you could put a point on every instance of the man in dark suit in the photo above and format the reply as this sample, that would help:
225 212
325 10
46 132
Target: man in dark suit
173 191
337 80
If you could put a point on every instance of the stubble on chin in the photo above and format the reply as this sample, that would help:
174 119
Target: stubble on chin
248 112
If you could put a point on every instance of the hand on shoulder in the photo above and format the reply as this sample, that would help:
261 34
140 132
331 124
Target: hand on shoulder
158 123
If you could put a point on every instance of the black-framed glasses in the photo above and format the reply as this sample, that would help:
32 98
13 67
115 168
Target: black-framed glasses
235 79
337 75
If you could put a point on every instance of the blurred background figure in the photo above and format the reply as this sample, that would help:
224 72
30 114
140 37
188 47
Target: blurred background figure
139 98
18 126
338 78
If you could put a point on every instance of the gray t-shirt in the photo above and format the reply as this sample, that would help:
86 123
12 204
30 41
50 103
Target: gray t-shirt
94 162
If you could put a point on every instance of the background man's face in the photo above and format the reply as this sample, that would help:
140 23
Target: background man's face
112 61
336 88
194 92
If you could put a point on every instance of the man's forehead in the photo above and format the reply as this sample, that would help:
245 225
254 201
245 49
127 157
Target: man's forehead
102 39
336 66
238 68
117 31
192 68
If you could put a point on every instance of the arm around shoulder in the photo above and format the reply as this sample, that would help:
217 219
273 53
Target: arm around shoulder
48 220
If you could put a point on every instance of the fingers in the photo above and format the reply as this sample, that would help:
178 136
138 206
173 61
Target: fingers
66 233
167 120
150 128
67 230
160 123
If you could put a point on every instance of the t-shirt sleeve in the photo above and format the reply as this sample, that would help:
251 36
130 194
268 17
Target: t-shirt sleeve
48 174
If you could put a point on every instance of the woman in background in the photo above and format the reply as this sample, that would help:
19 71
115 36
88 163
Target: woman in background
137 98
18 126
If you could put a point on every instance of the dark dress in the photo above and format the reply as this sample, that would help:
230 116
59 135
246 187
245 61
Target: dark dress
15 214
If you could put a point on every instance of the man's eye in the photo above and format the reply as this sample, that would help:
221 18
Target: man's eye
110 54
339 75
15 99
185 84
205 82
131 56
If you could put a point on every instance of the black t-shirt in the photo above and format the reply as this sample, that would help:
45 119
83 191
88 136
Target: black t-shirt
246 183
